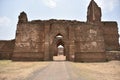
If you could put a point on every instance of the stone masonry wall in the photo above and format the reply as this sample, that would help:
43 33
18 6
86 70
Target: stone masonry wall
89 43
111 36
82 41
112 55
6 49
29 42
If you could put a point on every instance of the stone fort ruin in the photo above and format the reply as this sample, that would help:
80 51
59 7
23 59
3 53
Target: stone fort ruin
38 40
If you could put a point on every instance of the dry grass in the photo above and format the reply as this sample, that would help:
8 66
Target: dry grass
99 71
91 71
18 70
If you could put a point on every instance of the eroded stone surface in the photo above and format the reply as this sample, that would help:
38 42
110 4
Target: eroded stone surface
82 41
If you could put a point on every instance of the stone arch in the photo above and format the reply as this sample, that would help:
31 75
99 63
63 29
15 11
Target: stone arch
61 42
56 33
56 42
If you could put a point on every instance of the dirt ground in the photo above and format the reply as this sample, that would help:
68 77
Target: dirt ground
18 70
99 71
89 71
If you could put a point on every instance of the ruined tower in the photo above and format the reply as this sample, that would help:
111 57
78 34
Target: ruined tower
94 12
22 17
82 41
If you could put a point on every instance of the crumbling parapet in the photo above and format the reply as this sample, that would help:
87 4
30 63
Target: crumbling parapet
22 17
94 13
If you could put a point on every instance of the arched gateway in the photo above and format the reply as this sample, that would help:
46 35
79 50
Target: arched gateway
82 41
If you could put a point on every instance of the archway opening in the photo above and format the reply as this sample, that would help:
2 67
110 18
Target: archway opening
59 54
60 50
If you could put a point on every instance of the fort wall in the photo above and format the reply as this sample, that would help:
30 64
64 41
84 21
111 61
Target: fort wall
88 41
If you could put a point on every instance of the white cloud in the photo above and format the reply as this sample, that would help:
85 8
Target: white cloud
4 21
50 3
108 5
7 29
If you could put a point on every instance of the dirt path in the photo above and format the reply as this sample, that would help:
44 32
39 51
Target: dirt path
59 70
56 71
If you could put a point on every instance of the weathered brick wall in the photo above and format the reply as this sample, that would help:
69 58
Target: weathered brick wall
90 57
89 42
28 56
29 37
84 41
6 49
111 36
113 55
29 42
90 38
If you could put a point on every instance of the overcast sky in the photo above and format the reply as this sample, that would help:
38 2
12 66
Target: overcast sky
51 9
